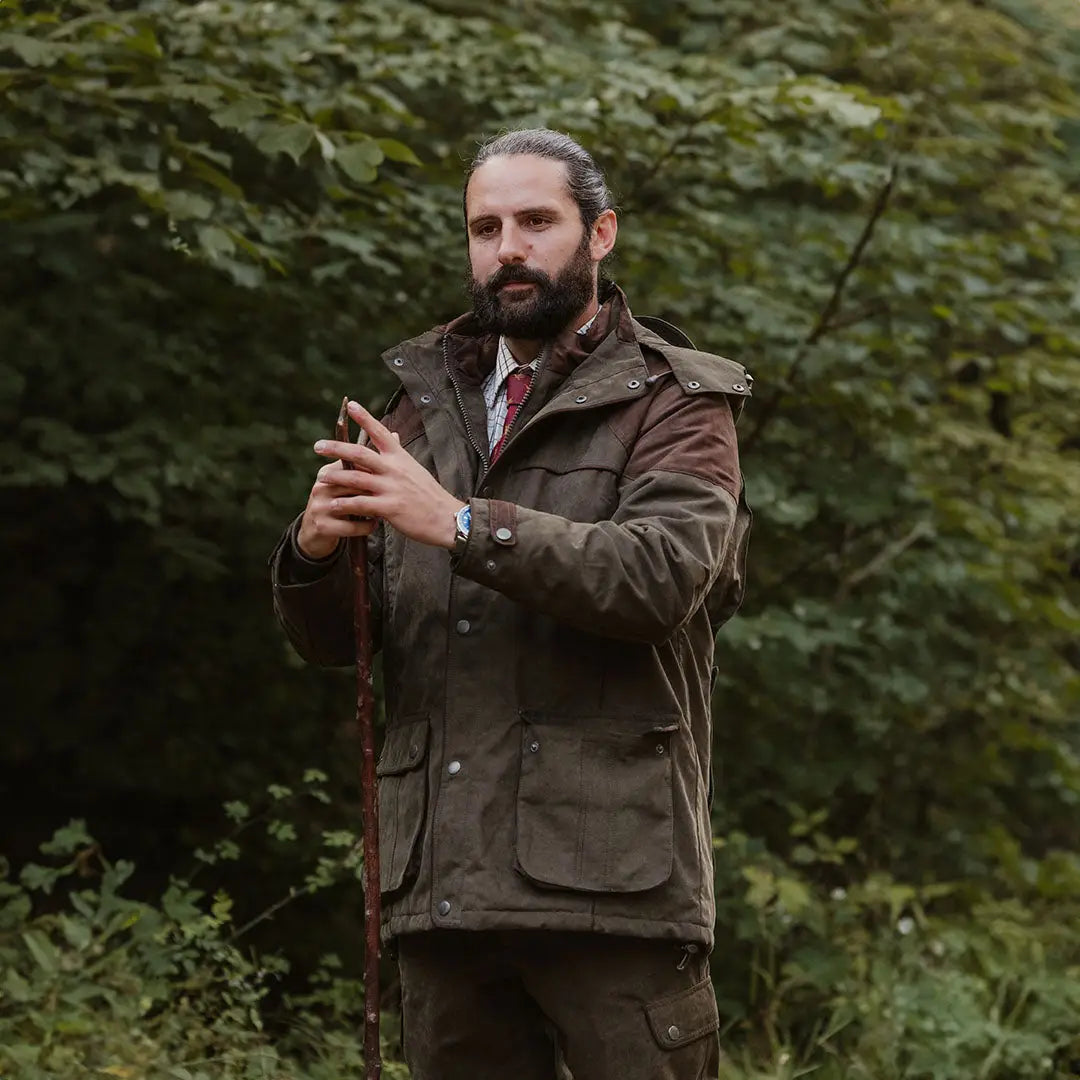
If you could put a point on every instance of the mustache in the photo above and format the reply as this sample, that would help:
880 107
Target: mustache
516 275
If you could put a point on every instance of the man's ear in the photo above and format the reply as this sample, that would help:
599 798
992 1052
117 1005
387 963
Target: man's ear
602 238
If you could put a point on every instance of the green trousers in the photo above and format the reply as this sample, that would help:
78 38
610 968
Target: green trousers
545 1005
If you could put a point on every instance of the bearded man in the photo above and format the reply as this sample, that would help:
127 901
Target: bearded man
553 505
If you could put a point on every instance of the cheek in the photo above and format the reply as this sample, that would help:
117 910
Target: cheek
481 262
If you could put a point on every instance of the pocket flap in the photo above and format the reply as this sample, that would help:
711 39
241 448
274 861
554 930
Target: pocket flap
590 725
404 747
684 1017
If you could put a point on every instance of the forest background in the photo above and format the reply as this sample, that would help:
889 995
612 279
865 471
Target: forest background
214 217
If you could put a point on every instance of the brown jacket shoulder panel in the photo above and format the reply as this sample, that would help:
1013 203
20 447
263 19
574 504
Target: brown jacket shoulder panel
689 434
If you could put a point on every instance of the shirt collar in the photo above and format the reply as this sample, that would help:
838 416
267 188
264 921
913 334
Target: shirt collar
506 363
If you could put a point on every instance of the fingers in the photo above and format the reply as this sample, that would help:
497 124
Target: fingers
360 457
380 437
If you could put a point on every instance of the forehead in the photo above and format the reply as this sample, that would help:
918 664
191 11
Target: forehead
507 184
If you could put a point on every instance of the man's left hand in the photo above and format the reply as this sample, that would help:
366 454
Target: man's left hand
390 484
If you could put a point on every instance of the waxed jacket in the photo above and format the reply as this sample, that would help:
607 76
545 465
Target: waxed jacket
546 759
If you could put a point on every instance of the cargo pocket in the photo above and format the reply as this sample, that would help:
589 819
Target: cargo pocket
595 804
682 1018
402 801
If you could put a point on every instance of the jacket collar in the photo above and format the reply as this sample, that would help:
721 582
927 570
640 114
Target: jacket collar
602 361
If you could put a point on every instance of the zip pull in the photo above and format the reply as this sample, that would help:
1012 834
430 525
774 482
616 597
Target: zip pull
687 951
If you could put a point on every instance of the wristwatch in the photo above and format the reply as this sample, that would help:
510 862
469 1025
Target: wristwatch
462 521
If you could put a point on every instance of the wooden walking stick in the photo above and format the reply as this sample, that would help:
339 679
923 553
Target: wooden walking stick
369 792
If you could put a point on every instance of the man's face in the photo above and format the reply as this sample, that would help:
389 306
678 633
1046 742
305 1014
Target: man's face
531 259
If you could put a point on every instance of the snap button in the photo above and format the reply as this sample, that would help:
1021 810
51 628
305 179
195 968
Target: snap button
503 533
425 399
398 362
414 750
738 386
659 748
633 384
490 564
534 746
693 384
673 1032
454 768
581 398
463 626
444 907
750 378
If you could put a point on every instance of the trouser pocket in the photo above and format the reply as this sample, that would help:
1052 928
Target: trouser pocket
595 804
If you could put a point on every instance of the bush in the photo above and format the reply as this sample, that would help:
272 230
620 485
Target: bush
98 984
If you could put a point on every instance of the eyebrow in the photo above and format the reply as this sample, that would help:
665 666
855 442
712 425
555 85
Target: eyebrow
544 211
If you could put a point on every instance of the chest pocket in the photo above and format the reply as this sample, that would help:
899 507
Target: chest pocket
595 803
556 480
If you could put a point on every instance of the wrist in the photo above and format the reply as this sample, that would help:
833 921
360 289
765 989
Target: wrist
457 526
314 547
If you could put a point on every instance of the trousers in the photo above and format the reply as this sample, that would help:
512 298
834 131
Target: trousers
553 1005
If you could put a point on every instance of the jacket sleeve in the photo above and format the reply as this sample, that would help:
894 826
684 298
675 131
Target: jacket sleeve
640 575
313 600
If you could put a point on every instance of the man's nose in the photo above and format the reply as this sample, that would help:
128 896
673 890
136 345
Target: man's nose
511 245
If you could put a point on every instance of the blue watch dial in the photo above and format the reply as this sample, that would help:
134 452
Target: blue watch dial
464 520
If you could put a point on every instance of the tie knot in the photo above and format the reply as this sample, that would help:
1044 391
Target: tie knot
517 385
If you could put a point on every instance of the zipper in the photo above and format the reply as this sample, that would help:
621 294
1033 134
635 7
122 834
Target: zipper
481 453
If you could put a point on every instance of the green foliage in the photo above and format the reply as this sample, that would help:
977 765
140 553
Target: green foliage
213 219
112 986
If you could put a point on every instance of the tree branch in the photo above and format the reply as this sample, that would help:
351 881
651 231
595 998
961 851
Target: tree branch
886 555
824 322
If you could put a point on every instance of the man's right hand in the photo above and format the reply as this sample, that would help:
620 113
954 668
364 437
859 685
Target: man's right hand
323 526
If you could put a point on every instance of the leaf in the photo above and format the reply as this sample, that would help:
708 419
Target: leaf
215 241
793 894
238 114
16 987
398 151
76 931
31 51
68 839
762 886
237 811
291 139
42 950
359 160
186 205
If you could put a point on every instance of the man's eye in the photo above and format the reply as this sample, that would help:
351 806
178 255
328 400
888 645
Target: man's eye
537 222
485 230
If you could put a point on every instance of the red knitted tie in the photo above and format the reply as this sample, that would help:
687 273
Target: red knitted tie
517 387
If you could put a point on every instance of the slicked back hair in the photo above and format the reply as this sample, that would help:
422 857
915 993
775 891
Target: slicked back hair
585 180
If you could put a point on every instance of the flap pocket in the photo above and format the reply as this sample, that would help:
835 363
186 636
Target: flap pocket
404 748
403 787
595 804
684 1017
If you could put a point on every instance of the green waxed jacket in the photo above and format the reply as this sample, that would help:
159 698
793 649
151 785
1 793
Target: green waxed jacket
546 762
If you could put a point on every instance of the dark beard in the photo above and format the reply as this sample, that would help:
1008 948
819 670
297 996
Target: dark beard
545 313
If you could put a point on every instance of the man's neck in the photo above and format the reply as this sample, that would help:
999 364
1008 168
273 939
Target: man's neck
526 350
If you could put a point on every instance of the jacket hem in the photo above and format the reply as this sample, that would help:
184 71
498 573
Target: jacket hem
688 933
